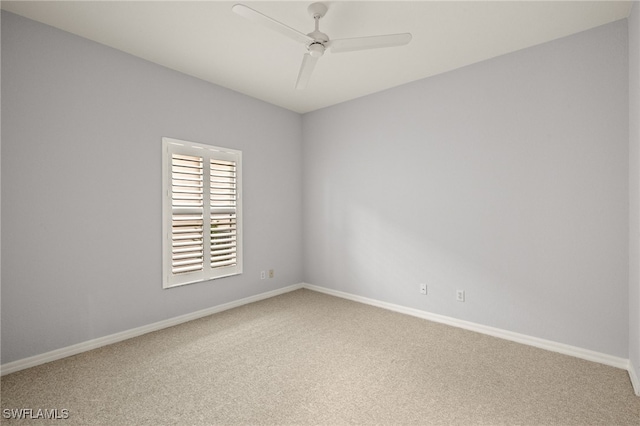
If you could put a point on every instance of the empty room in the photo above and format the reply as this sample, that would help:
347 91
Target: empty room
421 212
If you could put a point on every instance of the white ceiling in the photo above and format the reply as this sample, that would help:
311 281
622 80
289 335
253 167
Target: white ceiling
207 40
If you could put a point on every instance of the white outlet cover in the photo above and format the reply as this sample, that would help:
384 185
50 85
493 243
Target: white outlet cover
460 295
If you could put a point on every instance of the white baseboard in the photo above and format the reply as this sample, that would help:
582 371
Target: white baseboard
491 331
32 361
635 381
577 352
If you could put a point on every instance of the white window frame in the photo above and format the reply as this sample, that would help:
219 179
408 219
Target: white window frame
172 146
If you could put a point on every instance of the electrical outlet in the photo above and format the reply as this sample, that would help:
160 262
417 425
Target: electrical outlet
271 273
423 288
263 275
460 295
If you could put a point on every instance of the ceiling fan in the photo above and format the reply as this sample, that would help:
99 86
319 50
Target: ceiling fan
317 42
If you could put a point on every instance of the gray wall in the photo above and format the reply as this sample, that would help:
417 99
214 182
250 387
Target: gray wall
81 188
507 179
634 188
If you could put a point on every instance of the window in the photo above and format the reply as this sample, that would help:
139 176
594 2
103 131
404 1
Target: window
202 212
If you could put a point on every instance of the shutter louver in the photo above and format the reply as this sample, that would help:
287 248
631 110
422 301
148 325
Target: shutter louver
187 214
222 202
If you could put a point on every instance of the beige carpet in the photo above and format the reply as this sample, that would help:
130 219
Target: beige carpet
309 358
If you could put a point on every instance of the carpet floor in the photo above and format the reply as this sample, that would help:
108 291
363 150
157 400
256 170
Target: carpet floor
306 358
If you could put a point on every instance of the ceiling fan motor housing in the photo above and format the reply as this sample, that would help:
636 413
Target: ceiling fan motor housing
316 49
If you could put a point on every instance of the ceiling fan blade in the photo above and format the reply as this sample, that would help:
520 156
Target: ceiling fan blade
308 64
373 42
255 16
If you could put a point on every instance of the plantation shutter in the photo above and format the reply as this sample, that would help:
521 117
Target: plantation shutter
202 212
187 221
223 213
